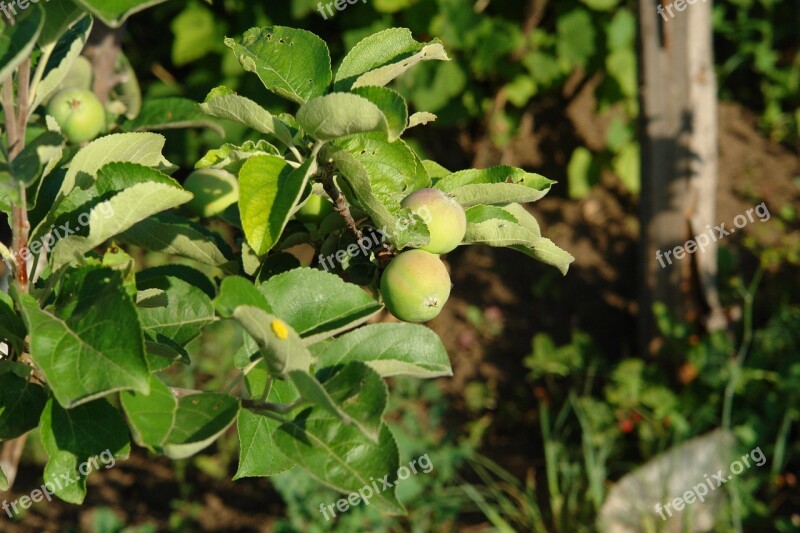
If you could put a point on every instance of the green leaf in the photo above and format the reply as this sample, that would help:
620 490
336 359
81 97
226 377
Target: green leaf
341 456
59 15
231 106
89 343
354 393
3 481
171 113
269 188
94 434
150 416
548 253
66 51
142 148
258 453
580 173
576 38
115 12
399 225
383 56
235 291
601 5
392 105
17 41
178 427
21 404
39 156
292 63
390 349
12 328
393 169
134 193
187 312
317 304
421 117
231 157
339 114
173 235
195 32
281 346
496 185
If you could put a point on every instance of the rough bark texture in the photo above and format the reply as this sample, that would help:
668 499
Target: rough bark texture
678 124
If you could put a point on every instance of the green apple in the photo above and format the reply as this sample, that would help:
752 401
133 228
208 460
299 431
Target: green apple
415 286
79 114
214 191
444 216
315 209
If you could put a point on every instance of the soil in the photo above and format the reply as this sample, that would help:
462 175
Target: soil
500 300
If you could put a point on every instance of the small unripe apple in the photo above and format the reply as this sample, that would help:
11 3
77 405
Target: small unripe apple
315 209
214 191
415 286
79 114
443 215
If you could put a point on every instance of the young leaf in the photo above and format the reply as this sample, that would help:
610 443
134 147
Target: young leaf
339 114
77 436
17 41
354 393
231 157
421 117
383 56
269 188
496 185
280 344
317 304
259 455
231 106
235 291
342 457
89 343
292 63
21 404
390 349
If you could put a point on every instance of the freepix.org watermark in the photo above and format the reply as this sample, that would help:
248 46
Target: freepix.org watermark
57 233
711 483
340 5
366 492
13 5
365 244
679 5
59 482
713 234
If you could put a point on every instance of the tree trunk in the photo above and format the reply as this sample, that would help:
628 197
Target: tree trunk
678 126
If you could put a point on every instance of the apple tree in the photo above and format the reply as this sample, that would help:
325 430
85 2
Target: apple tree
88 335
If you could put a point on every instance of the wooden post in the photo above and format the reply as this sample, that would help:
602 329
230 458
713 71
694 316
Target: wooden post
678 126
